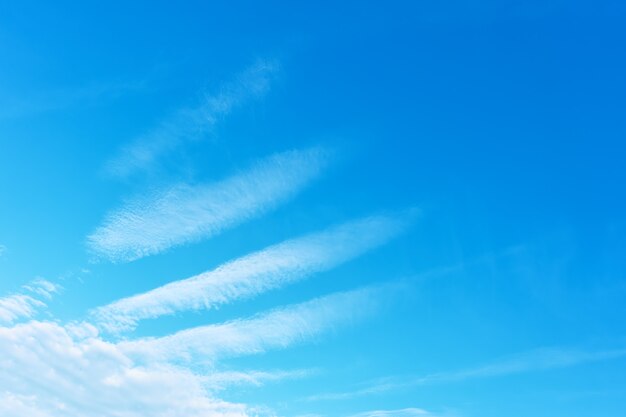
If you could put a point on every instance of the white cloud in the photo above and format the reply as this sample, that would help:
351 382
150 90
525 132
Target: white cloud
45 371
2 249
43 288
185 213
50 370
193 123
218 381
405 412
19 306
277 329
250 275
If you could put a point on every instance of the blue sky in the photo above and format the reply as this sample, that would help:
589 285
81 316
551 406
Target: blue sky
359 209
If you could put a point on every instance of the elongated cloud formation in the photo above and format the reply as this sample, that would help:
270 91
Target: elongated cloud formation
405 412
27 303
262 271
192 123
185 213
537 360
218 381
17 306
274 330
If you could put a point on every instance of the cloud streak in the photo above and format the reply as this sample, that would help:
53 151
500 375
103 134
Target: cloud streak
18 306
185 213
218 381
192 124
276 329
27 303
404 412
253 274
533 361
537 360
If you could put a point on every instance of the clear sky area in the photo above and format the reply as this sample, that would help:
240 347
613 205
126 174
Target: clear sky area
329 209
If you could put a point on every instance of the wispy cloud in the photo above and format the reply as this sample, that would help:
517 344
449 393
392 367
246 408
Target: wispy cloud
184 213
258 272
218 381
536 360
404 412
276 329
42 288
18 306
26 303
2 249
193 123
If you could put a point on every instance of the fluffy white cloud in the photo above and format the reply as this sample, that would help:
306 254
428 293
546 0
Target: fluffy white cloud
51 370
48 370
